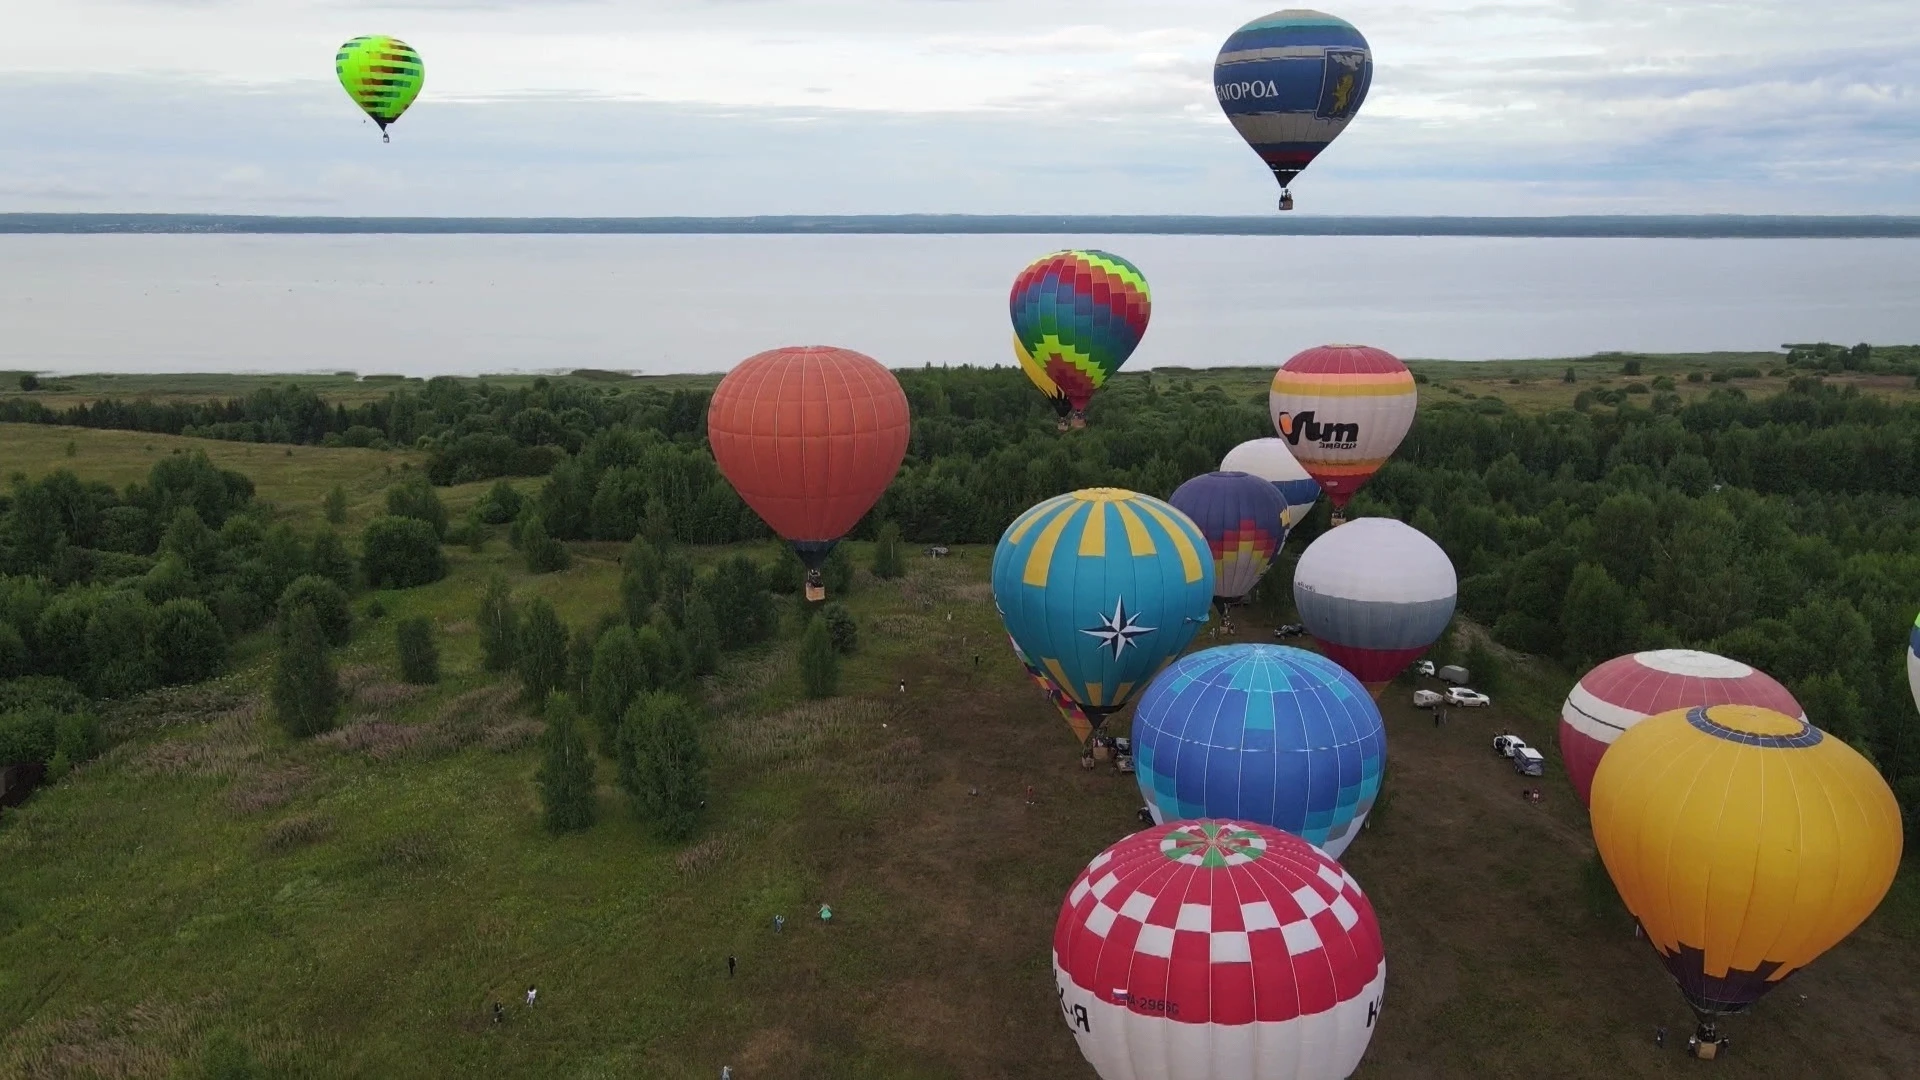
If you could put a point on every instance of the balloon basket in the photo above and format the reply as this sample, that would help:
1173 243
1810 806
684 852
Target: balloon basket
1706 1043
816 593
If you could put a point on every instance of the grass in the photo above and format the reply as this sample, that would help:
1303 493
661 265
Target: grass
352 905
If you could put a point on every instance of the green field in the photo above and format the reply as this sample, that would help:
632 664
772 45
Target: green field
352 905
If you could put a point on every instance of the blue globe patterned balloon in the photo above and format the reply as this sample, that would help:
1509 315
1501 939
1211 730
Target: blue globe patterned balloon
1099 588
1264 733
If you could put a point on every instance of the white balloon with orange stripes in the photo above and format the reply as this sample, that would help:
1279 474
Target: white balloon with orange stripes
1343 410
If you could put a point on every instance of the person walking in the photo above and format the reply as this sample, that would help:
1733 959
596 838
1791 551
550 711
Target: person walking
779 923
532 994
903 686
730 963
499 1014
726 1072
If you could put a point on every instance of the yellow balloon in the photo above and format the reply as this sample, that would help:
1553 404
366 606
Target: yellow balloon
1746 842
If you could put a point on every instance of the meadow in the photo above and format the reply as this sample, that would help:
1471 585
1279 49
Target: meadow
353 905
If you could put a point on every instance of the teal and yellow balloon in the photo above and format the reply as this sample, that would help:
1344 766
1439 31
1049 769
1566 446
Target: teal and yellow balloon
1077 316
382 75
1100 589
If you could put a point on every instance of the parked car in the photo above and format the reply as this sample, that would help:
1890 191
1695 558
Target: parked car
1425 699
1467 699
1425 667
1528 762
1289 630
1505 745
1454 674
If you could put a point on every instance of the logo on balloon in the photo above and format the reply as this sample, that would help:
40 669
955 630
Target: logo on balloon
1118 631
1254 88
1343 87
1295 426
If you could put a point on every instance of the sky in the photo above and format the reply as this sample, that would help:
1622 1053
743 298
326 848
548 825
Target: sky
733 107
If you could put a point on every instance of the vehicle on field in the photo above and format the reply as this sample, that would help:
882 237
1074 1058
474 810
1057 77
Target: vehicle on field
1289 630
1467 699
1425 699
1424 667
1528 762
1454 674
1505 745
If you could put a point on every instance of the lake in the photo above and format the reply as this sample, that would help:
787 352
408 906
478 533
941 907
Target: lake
466 304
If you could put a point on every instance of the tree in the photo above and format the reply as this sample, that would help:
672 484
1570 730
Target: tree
400 552
501 504
579 681
819 662
499 626
659 657
419 656
29 382
335 506
889 556
1484 667
120 645
741 604
329 603
1630 368
543 651
188 537
329 559
306 692
415 498
544 554
189 644
639 580
1833 705
663 767
841 627
13 652
566 770
836 574
1599 620
700 635
618 677
1568 377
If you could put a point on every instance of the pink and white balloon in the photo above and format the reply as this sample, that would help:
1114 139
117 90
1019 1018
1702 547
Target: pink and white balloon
1218 950
1627 689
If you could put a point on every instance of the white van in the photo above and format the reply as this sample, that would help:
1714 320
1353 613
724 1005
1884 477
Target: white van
1528 762
1425 699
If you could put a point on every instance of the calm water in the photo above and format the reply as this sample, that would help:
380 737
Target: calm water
423 305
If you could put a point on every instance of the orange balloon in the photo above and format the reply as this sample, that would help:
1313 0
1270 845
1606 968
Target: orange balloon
810 438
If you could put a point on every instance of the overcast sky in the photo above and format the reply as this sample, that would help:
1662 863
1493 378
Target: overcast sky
644 107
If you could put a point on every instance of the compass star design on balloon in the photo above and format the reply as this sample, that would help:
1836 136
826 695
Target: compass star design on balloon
1117 632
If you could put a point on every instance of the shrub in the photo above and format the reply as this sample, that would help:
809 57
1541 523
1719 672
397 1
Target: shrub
663 767
400 552
841 627
13 652
329 559
499 626
617 679
119 638
189 644
1484 668
819 662
329 603
566 771
500 505
419 656
545 555
1637 388
1694 377
306 692
29 382
700 636
1630 368
889 557
335 506
415 498
1662 382
542 659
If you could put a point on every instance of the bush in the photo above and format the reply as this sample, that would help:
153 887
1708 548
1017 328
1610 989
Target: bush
819 662
566 770
29 382
542 659
1630 368
1484 668
499 623
415 498
400 552
617 679
77 736
1663 382
841 627
500 505
329 559
13 652
889 556
306 692
700 636
1637 388
329 603
335 506
1695 377
419 656
545 555
836 574
119 639
663 768
189 644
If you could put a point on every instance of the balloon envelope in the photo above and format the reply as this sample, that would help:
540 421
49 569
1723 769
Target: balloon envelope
810 438
1376 593
1745 841
1270 460
1627 689
1100 588
1218 950
1261 733
382 74
1076 717
1290 82
1343 410
1243 519
1078 315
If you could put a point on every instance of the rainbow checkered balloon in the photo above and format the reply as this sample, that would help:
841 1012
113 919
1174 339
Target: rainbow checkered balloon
1078 315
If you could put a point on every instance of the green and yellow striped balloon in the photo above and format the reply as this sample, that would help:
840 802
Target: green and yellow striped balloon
382 75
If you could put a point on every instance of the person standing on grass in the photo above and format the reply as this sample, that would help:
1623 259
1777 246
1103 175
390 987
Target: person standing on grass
779 923
531 995
726 1072
729 967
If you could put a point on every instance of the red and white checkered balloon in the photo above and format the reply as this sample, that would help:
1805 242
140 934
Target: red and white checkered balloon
1218 950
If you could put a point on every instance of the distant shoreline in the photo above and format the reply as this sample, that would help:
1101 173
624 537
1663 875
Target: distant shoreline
1702 227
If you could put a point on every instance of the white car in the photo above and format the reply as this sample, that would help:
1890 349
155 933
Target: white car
1467 699
1506 745
1528 762
1425 667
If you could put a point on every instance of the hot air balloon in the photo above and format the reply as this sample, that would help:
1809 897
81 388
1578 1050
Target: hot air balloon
1261 733
1913 662
1627 689
382 75
810 438
1100 588
1289 83
1342 410
1244 521
1270 460
1376 594
1218 950
1746 842
1073 714
1077 316
1036 374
